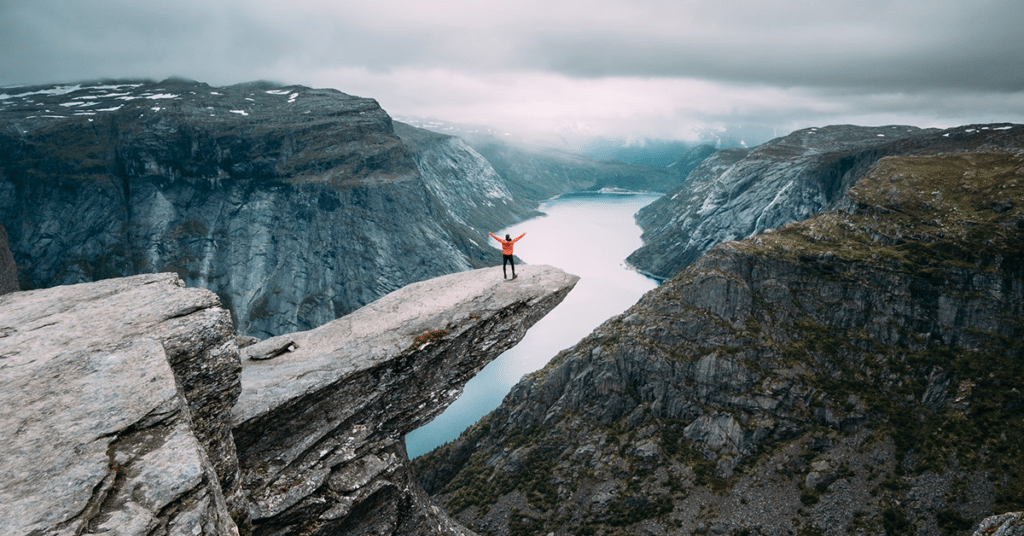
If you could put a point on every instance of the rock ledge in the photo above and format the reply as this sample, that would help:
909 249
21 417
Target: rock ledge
118 406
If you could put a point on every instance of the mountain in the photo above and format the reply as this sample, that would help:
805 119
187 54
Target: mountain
736 193
856 372
281 200
648 152
692 158
543 169
294 205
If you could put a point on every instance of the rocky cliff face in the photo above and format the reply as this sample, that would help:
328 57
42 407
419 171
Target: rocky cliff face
736 193
294 205
115 402
8 270
692 158
859 372
486 204
125 407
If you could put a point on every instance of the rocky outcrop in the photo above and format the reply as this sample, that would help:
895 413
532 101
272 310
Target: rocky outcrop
320 429
1011 524
8 270
737 193
126 408
856 372
114 402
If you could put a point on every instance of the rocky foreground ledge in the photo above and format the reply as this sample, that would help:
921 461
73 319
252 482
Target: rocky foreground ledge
126 407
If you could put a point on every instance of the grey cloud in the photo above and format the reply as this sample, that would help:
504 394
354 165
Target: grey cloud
973 46
934 60
868 44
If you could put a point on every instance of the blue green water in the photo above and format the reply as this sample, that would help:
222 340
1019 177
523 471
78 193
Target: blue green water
587 234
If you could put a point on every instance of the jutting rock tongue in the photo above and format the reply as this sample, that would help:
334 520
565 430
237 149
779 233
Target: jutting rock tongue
320 428
118 406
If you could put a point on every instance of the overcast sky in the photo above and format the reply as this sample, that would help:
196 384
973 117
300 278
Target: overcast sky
632 68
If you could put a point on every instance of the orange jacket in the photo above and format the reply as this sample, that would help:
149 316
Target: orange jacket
506 245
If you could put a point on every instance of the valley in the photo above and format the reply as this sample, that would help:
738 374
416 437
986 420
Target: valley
228 306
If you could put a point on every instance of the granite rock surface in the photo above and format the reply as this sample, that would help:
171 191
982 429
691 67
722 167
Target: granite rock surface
320 429
107 423
126 407
1009 524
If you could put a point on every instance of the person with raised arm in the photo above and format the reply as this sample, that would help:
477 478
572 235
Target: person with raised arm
506 251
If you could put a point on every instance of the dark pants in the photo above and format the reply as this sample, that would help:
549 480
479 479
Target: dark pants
508 260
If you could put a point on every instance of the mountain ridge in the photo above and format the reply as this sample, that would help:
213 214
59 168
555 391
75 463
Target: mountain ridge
736 193
857 371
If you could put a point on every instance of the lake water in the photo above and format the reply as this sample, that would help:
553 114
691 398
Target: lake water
587 234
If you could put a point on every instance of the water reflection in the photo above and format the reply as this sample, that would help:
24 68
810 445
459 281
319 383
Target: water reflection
587 234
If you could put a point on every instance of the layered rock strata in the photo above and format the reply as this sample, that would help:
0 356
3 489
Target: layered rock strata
856 372
122 403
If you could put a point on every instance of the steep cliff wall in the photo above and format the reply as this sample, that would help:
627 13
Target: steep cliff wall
8 270
859 371
486 204
736 193
294 205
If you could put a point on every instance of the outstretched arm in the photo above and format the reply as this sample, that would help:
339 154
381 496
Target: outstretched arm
518 237
496 238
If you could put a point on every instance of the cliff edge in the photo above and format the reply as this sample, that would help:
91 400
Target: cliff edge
113 397
118 406
320 429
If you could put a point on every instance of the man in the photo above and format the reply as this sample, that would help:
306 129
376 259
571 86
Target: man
506 251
